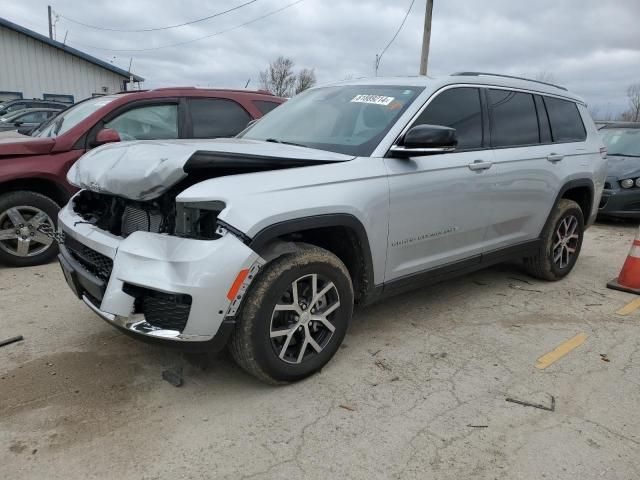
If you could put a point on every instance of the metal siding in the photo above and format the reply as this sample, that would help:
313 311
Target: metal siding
35 68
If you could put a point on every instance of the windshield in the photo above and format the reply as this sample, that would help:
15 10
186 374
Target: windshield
622 141
70 117
350 119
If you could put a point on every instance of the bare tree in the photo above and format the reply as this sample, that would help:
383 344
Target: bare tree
306 79
278 78
633 114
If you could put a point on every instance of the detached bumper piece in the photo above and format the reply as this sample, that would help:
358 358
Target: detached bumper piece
161 310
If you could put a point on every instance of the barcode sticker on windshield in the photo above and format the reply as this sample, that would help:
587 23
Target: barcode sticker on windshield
374 99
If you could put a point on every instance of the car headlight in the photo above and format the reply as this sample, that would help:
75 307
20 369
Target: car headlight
627 183
198 219
638 182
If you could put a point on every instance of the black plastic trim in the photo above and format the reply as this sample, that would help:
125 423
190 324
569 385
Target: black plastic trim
228 163
455 269
581 182
90 283
262 238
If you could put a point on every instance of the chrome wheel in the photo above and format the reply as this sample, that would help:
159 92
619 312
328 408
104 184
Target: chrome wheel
565 241
20 233
302 321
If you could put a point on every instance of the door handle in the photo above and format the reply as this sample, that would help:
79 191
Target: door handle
479 165
554 157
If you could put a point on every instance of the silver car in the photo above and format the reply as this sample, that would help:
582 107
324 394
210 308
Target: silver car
342 195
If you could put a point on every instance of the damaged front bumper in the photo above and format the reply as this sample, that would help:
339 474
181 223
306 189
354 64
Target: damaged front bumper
156 286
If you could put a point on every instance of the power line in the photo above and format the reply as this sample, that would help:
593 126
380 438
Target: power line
157 28
379 56
195 39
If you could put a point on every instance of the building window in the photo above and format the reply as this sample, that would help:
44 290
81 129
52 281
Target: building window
4 96
58 98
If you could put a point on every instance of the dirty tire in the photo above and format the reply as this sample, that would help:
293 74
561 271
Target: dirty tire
251 344
542 265
29 199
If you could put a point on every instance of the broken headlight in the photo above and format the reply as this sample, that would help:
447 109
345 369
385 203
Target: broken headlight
198 219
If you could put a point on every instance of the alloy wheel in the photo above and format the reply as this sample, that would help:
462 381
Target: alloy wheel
566 241
302 321
20 233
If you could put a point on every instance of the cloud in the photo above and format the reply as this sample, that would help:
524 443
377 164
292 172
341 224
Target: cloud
590 46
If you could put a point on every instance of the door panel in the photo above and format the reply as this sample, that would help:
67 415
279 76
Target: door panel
440 204
526 184
439 210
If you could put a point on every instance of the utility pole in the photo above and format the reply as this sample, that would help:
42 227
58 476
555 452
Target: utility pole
426 38
50 23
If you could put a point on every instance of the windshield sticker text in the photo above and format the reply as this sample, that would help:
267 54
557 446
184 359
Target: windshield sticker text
373 99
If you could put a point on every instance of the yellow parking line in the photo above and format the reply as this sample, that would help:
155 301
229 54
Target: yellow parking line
629 308
561 350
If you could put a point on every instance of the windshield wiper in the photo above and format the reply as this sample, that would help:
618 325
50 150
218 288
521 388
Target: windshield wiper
275 140
621 155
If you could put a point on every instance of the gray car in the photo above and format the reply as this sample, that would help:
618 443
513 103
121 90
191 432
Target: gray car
621 195
342 195
27 119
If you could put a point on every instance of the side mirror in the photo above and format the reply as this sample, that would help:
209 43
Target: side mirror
425 140
106 135
26 130
18 124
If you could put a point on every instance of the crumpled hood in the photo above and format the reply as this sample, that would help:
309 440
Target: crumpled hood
623 167
143 170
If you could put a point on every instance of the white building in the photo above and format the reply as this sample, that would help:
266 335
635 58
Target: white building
34 66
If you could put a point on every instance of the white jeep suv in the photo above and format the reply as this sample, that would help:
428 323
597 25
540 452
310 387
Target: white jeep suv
345 193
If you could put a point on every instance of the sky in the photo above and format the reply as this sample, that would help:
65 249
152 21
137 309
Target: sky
591 47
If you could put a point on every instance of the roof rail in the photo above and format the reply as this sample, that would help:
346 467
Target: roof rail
477 74
218 89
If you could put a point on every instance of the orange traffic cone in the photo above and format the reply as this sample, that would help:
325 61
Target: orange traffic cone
629 278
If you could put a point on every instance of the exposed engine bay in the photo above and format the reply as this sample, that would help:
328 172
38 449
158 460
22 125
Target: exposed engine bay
122 217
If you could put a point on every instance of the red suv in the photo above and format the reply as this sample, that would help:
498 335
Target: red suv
33 168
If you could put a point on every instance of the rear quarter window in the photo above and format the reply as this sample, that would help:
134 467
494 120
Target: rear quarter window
265 106
566 122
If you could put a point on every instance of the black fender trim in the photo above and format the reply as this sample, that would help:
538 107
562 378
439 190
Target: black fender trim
580 182
267 234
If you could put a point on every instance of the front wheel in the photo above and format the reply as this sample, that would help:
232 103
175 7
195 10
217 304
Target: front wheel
22 215
561 243
294 317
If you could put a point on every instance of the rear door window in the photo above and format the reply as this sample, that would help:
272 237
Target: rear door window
513 119
150 122
217 117
566 123
457 108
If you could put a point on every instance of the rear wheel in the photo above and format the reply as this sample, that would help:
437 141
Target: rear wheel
22 214
295 316
561 243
